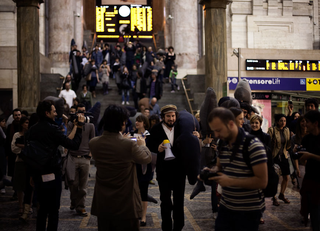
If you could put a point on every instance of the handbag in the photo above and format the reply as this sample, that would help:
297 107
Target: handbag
125 83
88 77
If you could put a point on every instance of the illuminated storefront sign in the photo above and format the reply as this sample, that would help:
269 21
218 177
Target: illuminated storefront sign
124 20
282 65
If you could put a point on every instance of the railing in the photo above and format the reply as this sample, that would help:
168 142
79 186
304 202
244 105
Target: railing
93 41
154 42
187 96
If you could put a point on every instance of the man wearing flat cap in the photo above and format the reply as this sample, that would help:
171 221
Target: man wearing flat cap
170 173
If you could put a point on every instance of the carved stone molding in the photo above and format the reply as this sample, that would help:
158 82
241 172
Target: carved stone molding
26 3
214 3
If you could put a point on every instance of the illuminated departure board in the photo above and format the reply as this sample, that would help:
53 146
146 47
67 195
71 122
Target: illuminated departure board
112 21
282 65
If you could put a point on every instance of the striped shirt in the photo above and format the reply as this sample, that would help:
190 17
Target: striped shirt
235 198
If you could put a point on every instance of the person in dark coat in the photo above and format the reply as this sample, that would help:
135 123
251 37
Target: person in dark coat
48 181
170 174
130 51
150 55
155 87
170 58
139 88
11 130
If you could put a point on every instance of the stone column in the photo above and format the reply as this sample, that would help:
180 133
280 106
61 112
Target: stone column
61 20
215 44
78 23
28 53
184 32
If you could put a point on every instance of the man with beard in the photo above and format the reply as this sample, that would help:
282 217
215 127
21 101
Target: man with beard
242 173
12 128
170 173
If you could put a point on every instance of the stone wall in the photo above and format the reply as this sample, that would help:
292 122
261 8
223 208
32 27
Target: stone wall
273 24
8 49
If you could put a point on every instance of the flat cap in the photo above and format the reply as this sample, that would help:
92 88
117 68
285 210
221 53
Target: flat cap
168 108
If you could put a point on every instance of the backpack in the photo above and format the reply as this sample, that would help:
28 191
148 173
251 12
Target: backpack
273 177
39 157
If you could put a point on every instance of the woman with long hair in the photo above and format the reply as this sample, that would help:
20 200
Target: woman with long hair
21 177
125 86
280 144
144 173
105 69
256 122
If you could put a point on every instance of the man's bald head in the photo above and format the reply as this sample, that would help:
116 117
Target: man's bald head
153 101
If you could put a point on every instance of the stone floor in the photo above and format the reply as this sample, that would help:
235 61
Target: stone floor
198 214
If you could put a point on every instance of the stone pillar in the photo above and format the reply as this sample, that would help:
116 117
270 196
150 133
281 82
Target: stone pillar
184 32
215 44
78 23
61 27
28 53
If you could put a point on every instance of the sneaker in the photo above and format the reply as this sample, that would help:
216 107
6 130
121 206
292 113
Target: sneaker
122 103
82 212
3 191
172 91
178 88
127 103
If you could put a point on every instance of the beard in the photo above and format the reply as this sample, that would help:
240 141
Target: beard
169 125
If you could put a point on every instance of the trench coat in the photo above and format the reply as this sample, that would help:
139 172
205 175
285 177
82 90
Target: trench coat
116 192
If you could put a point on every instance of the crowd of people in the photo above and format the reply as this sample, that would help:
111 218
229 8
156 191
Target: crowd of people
130 149
136 69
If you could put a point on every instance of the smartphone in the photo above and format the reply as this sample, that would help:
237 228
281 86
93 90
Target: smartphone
134 138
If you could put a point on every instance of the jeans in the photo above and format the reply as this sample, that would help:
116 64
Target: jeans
78 190
125 92
229 220
173 83
49 194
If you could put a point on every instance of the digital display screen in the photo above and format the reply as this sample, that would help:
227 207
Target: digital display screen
123 20
282 65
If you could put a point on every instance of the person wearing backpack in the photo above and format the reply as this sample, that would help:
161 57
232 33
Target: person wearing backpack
255 122
281 143
47 179
234 175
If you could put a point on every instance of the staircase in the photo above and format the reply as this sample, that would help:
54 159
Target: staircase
178 98
195 85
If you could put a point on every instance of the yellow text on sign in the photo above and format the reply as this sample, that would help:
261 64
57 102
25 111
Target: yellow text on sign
313 84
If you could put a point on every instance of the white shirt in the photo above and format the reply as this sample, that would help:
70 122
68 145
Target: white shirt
170 134
68 96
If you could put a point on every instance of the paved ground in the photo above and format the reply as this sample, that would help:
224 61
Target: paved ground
198 214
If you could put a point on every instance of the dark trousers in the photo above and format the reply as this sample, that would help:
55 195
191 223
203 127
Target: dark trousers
49 194
118 225
177 187
28 191
229 220
214 198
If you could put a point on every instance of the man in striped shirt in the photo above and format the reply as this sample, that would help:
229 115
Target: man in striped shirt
242 201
